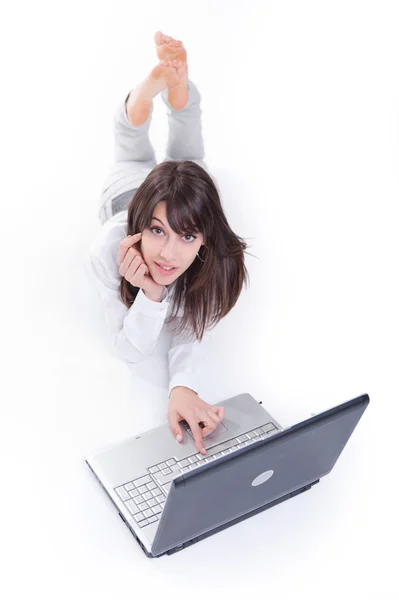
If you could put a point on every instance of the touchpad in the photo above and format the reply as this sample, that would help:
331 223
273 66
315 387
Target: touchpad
211 438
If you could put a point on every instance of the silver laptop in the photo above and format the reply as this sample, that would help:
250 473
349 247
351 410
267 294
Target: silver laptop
171 496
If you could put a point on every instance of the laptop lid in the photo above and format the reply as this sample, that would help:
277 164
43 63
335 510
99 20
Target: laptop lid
218 492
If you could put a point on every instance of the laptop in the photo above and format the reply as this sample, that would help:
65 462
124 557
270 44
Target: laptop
170 496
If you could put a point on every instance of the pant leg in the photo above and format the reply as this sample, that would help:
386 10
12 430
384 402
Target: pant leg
134 160
185 141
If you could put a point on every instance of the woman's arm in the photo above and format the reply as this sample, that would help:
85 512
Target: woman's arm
185 362
133 332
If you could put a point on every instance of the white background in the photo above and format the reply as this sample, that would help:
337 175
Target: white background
300 108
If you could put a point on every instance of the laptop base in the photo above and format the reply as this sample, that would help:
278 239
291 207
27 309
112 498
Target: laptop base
241 518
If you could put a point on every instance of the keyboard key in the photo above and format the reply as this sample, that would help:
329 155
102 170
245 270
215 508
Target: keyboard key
142 489
142 481
171 462
147 496
143 523
166 471
148 512
129 486
162 479
157 509
153 469
241 438
139 517
251 434
166 487
183 463
156 492
152 502
222 446
122 493
134 493
268 427
258 431
139 499
151 486
161 498
152 519
143 506
132 507
162 465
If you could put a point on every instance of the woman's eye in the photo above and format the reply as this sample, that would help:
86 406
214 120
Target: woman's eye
187 234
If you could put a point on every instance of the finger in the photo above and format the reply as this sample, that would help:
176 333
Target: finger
125 244
196 431
131 260
174 425
220 411
214 416
209 422
129 254
137 274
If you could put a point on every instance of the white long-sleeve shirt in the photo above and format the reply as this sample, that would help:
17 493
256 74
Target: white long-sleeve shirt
139 332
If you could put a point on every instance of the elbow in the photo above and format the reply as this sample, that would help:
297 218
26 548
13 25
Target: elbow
125 351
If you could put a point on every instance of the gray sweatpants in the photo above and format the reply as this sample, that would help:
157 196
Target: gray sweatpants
135 156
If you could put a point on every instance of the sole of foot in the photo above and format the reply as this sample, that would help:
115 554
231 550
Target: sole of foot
168 48
178 93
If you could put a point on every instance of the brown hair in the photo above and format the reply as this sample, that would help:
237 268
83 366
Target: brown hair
212 284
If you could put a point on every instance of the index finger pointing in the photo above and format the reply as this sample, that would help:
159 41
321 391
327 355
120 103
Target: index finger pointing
196 431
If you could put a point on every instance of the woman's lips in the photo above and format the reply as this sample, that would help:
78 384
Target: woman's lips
164 271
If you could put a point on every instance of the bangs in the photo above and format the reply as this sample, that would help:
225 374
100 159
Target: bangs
181 218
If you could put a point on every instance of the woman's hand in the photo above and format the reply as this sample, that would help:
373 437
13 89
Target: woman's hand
186 404
133 268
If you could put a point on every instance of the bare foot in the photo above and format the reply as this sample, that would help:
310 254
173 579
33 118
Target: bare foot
163 76
168 48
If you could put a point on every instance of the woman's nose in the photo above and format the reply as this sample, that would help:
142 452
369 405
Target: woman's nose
168 252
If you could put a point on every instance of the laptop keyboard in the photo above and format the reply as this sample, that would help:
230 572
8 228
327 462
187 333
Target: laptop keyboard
145 497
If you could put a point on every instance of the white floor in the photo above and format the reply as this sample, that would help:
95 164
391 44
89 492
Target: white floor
300 119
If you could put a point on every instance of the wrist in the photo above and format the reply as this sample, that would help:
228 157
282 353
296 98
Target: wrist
178 388
157 299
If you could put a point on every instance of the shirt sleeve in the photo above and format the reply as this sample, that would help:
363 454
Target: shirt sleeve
185 359
132 332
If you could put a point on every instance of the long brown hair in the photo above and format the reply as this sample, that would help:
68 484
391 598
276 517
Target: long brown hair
212 284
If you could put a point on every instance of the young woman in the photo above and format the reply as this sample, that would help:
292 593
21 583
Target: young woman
165 248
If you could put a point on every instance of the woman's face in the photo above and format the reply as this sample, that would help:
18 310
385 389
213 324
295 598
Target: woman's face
160 244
